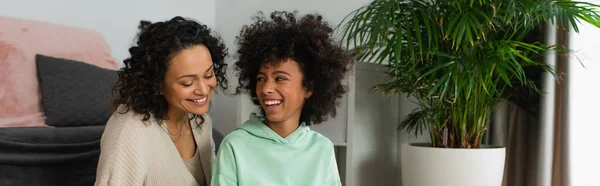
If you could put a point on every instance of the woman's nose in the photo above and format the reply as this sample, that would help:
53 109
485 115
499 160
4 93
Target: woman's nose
201 88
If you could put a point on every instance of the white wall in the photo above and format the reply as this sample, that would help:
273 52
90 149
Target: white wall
376 142
116 20
584 108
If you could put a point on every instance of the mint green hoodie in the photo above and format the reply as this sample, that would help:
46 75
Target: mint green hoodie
254 155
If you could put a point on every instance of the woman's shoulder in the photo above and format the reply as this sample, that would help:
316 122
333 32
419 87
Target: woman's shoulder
123 116
126 123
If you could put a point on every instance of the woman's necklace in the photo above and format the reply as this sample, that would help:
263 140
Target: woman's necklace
178 134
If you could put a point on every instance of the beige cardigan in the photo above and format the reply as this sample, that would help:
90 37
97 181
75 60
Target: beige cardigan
134 153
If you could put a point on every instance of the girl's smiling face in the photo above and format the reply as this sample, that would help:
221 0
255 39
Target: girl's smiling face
280 91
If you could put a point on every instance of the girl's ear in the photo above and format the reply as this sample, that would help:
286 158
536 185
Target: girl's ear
308 93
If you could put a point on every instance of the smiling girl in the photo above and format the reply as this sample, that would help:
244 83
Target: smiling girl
293 70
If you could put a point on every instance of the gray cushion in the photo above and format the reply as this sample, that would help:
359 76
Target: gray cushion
74 93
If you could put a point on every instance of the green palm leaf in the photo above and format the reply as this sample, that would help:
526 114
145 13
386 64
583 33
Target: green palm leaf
459 58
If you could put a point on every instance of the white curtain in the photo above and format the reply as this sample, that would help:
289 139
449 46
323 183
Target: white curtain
583 108
534 142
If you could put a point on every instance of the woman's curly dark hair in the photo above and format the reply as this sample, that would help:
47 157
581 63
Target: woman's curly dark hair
157 43
308 41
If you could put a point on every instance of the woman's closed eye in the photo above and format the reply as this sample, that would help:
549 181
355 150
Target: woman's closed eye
209 76
187 84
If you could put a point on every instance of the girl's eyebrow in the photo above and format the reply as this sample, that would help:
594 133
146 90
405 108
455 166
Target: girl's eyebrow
276 72
281 72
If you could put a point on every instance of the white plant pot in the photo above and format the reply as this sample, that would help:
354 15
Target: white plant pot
423 165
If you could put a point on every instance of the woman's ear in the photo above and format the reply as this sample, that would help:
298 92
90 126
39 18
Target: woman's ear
160 89
307 94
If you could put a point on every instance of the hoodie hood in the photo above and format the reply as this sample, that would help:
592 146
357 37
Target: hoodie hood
255 126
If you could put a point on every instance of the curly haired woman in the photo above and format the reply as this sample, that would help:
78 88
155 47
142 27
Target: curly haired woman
294 71
161 132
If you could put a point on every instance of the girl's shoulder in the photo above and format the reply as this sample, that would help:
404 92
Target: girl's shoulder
319 139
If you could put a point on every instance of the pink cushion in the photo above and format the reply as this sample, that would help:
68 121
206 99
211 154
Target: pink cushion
20 40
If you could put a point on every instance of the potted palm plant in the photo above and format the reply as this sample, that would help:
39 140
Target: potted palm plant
458 58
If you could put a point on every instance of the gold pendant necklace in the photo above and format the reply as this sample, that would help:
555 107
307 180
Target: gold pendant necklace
178 134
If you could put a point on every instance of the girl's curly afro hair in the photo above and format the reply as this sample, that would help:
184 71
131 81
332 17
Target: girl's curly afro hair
308 41
157 43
